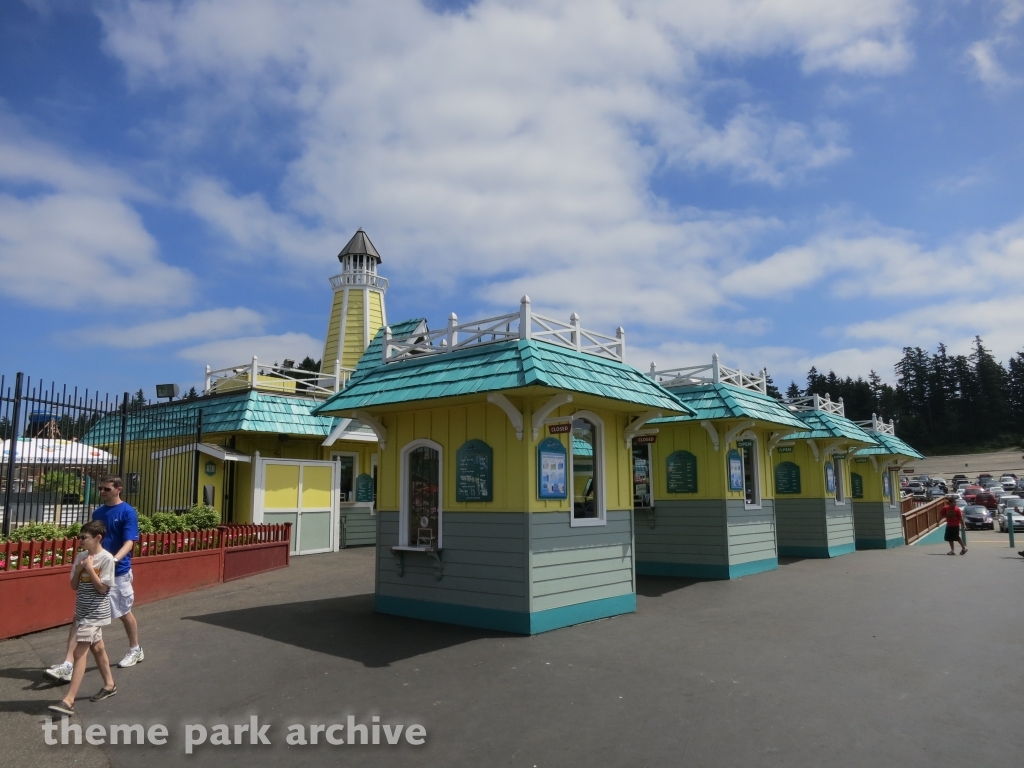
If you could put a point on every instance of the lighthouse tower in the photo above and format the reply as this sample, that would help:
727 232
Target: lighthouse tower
357 312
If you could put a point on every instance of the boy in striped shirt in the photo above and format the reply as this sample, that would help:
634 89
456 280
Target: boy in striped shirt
92 576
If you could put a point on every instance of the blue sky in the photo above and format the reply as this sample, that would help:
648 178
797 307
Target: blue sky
784 182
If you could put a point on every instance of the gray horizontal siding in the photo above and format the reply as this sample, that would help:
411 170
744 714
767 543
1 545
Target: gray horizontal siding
893 523
869 520
751 532
360 526
484 562
839 518
800 522
576 565
686 532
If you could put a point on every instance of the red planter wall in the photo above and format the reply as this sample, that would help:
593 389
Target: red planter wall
33 599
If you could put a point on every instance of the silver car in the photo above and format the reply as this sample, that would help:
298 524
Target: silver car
977 516
1018 521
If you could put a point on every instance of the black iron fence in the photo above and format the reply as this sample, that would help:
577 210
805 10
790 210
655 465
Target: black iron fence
58 442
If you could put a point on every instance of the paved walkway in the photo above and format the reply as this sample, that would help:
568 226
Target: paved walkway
903 657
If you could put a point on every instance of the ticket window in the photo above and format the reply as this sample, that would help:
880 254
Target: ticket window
348 466
642 480
751 483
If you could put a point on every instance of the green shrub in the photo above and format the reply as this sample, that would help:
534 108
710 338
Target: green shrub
201 517
146 524
67 484
37 532
167 522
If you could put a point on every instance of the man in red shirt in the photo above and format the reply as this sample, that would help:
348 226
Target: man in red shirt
954 522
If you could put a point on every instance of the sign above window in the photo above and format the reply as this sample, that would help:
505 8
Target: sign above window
559 429
644 439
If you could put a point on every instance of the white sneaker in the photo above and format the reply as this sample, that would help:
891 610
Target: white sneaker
132 658
59 672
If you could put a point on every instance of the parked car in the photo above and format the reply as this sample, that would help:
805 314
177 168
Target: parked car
983 477
959 477
962 503
977 516
971 491
1018 521
1012 502
987 500
937 481
935 492
1009 482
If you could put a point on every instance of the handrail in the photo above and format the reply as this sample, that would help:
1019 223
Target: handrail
921 518
360 277
692 376
878 425
524 324
817 403
277 378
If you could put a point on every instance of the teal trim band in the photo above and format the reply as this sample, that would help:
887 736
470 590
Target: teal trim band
704 571
756 566
683 570
880 543
938 536
842 549
517 622
566 616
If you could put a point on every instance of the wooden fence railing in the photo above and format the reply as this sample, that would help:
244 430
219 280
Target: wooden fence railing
922 518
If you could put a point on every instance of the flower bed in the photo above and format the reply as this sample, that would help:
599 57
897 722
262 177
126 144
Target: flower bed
34 576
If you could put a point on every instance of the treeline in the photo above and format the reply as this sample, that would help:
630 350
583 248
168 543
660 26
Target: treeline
941 403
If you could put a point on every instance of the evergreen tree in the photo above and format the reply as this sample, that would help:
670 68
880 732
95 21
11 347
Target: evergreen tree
309 364
793 391
773 391
191 394
139 398
1015 391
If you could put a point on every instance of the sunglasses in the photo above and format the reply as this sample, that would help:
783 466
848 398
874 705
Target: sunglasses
84 536
107 490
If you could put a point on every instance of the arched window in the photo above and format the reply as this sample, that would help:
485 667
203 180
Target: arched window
588 503
420 517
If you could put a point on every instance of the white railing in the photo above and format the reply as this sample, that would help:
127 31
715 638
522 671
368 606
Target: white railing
359 277
878 425
276 378
817 403
716 373
524 324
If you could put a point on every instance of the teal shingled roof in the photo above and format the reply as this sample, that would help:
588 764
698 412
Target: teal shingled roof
724 401
824 425
374 354
497 367
889 445
245 411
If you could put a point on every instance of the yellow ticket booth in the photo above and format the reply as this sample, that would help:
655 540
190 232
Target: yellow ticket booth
813 490
505 493
875 486
712 511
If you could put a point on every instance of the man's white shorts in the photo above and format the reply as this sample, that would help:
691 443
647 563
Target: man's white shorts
122 595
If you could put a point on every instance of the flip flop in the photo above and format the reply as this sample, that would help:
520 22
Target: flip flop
951 553
963 551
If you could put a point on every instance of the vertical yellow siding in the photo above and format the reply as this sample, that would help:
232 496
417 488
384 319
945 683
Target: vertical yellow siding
376 313
333 329
355 322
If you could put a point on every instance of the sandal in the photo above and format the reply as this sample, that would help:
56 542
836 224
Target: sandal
963 551
951 552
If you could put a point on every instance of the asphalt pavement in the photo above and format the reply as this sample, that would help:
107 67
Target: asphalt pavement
902 657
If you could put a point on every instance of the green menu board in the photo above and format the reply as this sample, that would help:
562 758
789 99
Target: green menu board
474 472
364 488
681 472
787 478
857 485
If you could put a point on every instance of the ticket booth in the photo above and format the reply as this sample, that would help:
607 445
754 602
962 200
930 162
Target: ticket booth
711 511
813 481
505 493
875 486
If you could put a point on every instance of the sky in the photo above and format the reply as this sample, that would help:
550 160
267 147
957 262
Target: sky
787 183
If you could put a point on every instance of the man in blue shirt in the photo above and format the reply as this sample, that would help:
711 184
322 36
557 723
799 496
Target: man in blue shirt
122 523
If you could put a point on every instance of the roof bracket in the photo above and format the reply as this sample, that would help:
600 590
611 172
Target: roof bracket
731 434
814 448
332 438
634 427
712 432
555 402
874 463
514 416
773 440
378 428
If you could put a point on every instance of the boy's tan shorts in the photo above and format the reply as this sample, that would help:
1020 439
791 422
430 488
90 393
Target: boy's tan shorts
88 633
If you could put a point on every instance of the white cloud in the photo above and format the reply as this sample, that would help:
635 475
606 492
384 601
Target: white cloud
74 239
268 349
513 142
213 323
982 56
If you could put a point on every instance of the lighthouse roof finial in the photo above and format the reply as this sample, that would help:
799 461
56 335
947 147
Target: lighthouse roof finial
359 245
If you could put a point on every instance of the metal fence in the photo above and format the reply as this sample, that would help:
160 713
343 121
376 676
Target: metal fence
58 442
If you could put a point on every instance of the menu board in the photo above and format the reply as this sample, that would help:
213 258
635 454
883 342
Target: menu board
474 472
787 478
856 485
364 488
885 486
681 472
552 462
830 477
735 471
